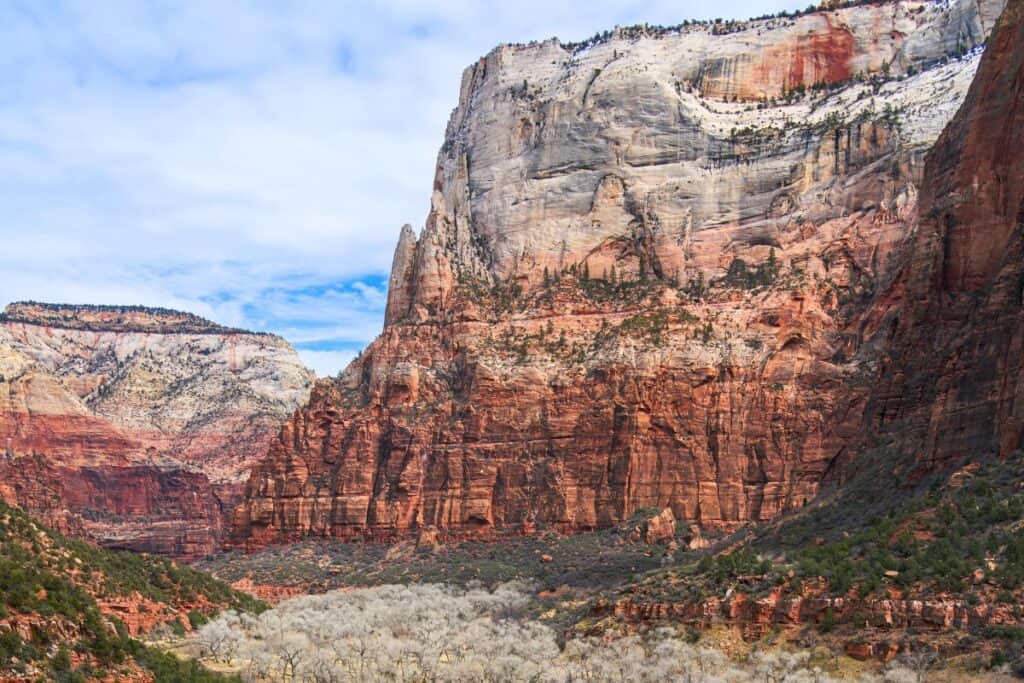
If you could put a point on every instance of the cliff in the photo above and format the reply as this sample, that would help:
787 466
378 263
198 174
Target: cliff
646 279
135 427
925 535
951 390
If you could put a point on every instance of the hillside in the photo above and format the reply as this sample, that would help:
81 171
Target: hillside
70 611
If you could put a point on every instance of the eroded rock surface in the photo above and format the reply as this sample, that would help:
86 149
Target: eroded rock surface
660 528
136 427
952 389
887 618
644 282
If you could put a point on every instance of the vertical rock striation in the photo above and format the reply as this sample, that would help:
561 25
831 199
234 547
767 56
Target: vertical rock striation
645 281
952 389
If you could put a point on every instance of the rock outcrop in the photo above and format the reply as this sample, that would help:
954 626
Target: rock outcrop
660 527
645 281
883 618
136 427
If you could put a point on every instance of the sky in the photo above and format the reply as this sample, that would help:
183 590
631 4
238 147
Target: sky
251 162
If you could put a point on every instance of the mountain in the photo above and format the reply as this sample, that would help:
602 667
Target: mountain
135 427
920 548
951 389
659 270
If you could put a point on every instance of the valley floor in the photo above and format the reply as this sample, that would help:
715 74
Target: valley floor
923 583
431 632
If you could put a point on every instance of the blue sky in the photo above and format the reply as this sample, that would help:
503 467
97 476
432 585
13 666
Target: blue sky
251 162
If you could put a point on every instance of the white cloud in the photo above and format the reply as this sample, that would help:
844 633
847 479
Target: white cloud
243 160
326 363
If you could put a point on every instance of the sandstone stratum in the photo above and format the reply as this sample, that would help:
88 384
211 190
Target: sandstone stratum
664 268
136 427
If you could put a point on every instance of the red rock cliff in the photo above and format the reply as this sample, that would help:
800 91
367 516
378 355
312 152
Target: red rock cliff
631 290
953 388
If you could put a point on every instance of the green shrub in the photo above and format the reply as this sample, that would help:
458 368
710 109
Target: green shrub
11 646
196 619
742 276
828 621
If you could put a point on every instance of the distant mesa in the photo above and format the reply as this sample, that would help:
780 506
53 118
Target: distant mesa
97 318
133 426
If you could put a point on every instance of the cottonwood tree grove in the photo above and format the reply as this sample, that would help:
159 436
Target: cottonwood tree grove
432 632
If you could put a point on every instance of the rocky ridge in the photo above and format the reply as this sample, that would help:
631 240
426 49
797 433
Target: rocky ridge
135 427
757 616
646 280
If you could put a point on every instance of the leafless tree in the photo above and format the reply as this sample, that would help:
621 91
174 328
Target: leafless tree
431 633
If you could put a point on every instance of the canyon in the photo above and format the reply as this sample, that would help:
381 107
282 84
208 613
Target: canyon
682 269
135 427
663 268
716 327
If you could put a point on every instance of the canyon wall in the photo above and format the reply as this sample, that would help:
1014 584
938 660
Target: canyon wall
136 427
952 388
949 390
657 271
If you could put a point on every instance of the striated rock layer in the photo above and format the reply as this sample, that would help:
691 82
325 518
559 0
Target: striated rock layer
136 427
644 282
949 384
757 616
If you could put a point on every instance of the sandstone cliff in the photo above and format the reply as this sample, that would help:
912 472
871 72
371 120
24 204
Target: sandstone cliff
952 388
136 427
644 281
948 392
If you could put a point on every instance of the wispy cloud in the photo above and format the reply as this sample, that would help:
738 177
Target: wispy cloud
247 161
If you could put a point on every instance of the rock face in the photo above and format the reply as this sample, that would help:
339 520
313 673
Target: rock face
644 282
660 528
952 389
950 384
136 427
757 616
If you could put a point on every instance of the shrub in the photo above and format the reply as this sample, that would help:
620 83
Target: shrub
828 621
197 619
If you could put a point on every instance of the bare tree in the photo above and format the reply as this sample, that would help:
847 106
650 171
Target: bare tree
221 638
431 633
912 666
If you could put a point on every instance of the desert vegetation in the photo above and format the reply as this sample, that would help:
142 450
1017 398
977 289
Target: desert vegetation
434 632
54 624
